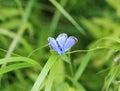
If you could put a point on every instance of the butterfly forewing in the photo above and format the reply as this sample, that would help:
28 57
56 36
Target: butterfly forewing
61 39
69 43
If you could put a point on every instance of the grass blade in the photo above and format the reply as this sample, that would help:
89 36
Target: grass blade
63 11
14 67
44 72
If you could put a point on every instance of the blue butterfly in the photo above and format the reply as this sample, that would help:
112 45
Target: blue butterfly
62 43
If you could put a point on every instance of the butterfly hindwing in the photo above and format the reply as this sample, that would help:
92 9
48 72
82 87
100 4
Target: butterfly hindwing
54 45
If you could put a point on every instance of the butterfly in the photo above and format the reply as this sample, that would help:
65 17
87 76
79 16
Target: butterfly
62 43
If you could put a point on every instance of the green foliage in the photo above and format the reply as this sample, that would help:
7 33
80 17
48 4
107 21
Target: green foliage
28 65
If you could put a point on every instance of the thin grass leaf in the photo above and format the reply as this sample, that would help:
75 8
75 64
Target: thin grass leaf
67 15
50 80
112 75
44 72
56 17
19 59
15 67
87 57
77 84
56 75
30 54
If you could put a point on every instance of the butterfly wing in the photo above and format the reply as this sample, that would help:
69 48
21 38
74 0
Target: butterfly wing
53 45
69 43
61 39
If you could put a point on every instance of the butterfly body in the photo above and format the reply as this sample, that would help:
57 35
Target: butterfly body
62 43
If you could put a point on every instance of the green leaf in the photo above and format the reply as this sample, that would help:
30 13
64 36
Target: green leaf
14 67
56 75
44 72
17 63
62 87
19 59
65 58
67 15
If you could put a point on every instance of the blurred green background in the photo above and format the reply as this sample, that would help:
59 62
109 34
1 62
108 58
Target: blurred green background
31 22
